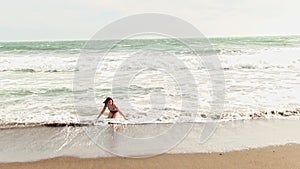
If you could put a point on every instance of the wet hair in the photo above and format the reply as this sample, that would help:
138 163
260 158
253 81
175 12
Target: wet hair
107 100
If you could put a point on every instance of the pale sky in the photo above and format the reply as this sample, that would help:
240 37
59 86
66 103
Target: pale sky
80 19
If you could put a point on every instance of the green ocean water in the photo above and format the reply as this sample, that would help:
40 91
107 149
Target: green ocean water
235 44
261 87
261 76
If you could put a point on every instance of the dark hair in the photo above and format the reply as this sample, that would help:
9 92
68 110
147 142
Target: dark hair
107 100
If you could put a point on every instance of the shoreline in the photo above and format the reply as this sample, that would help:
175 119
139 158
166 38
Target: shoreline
32 144
272 157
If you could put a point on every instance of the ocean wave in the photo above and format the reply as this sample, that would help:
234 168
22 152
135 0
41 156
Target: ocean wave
32 70
257 67
41 91
273 114
285 59
37 63
232 46
224 67
71 47
11 125
203 118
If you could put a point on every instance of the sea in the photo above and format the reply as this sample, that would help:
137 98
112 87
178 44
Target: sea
260 76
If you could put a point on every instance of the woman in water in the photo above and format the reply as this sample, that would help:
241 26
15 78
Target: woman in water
113 109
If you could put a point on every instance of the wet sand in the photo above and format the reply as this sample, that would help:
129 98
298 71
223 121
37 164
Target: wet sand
275 157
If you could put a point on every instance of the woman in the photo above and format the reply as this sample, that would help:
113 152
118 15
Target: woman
113 109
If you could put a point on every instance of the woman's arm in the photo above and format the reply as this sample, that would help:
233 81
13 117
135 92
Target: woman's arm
121 113
102 111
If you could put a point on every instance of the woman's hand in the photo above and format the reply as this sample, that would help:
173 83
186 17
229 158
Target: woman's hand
97 118
102 111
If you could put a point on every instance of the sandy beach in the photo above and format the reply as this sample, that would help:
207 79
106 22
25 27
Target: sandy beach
278 157
149 84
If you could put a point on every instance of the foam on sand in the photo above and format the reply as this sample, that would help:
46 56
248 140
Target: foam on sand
30 144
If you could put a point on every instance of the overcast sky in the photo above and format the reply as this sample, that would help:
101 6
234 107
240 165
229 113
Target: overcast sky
80 19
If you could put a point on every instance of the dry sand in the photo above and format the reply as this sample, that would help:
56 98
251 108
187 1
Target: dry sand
280 157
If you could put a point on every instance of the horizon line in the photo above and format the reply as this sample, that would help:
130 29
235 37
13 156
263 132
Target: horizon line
208 37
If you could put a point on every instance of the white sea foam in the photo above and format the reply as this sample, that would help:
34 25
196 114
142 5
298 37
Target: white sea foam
50 142
38 86
36 89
